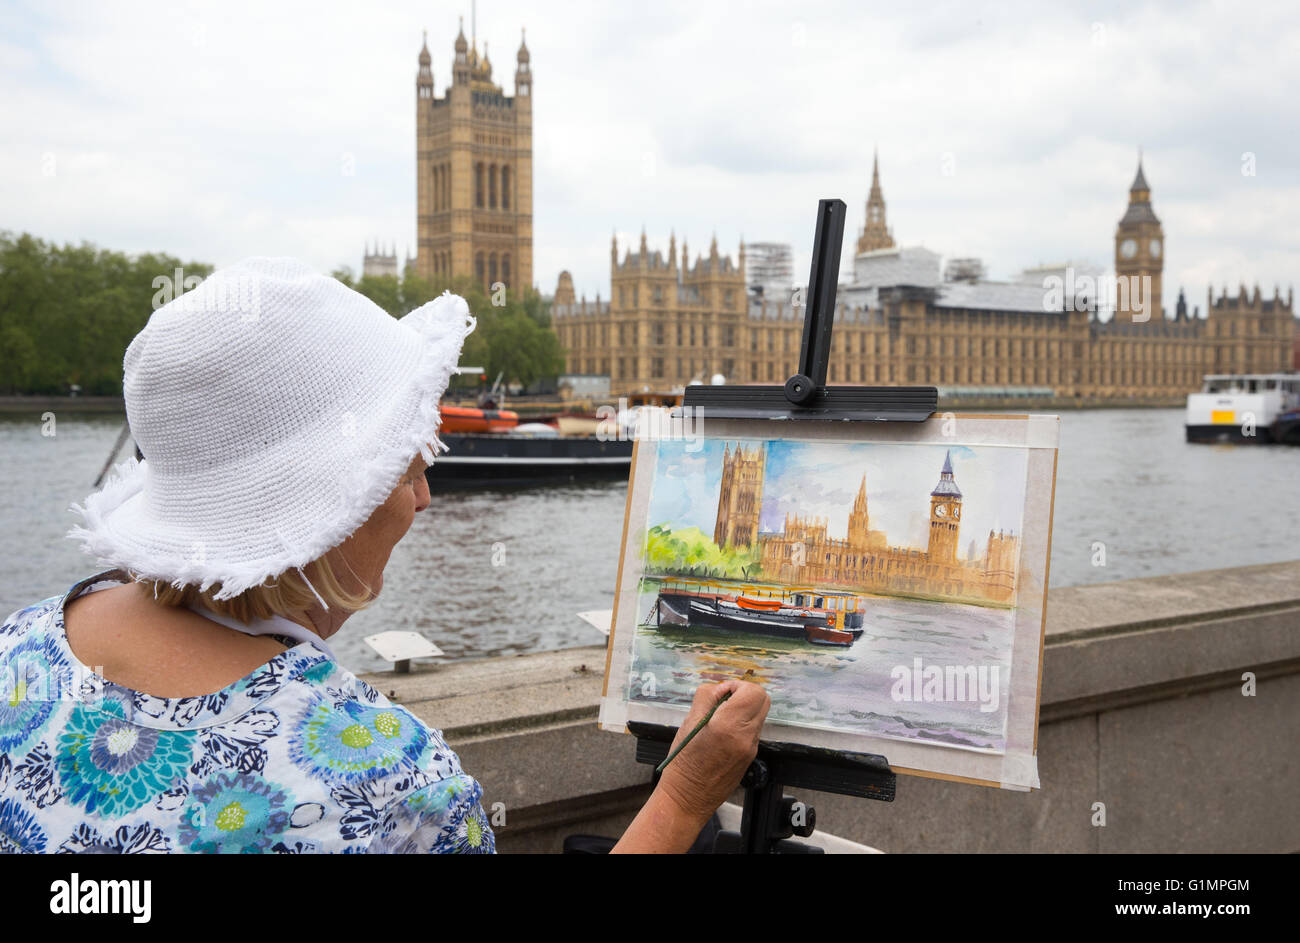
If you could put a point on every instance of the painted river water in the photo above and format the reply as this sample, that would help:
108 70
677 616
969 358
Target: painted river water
865 688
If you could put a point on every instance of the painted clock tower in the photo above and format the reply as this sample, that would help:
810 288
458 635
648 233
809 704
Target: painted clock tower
945 516
1139 252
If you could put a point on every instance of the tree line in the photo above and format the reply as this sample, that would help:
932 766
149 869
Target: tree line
67 314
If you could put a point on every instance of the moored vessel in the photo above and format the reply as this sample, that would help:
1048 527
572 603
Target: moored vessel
489 446
527 458
1241 407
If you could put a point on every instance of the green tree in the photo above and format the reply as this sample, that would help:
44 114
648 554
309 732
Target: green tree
67 313
513 335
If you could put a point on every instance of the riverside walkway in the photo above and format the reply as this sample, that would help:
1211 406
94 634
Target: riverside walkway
1142 710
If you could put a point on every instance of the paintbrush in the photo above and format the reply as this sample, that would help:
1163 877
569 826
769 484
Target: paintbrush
701 725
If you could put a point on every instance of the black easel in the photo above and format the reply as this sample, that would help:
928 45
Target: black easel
770 817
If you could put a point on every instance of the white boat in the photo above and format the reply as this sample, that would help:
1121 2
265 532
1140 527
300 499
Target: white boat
1240 407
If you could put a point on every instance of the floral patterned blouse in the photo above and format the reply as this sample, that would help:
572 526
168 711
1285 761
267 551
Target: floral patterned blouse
299 756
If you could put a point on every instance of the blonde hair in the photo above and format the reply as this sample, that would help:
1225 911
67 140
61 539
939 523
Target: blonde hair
284 595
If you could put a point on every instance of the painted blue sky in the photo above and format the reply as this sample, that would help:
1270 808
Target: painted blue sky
822 479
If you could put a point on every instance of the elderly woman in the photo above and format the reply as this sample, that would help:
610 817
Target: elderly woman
186 699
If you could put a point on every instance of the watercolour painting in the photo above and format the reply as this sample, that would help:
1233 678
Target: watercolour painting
884 582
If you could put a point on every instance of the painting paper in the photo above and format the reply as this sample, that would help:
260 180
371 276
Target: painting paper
884 582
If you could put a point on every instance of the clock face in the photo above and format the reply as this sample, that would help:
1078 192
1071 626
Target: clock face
956 513
1155 248
941 510
1128 248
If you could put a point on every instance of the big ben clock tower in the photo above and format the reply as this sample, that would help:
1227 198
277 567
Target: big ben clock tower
945 516
1139 252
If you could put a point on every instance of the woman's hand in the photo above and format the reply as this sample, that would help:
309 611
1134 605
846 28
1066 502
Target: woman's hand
708 770
705 773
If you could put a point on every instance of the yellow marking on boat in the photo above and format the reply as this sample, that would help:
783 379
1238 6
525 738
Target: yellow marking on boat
1223 417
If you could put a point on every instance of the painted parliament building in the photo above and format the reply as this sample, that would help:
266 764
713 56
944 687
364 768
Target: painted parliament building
671 320
803 553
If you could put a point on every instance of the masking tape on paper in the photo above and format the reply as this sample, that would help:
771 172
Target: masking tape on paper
1044 432
1019 772
613 713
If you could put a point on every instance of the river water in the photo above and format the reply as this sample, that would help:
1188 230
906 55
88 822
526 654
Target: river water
502 572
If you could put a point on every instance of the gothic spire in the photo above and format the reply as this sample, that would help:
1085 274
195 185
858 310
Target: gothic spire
947 486
875 231
1140 181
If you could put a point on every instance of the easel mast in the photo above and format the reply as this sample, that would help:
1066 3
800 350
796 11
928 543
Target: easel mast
767 822
805 395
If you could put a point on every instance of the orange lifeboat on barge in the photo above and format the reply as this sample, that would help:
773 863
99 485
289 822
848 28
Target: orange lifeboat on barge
463 419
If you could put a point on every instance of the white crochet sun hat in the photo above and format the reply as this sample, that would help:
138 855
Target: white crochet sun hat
276 409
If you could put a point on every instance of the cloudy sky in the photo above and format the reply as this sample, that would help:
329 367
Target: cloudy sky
216 130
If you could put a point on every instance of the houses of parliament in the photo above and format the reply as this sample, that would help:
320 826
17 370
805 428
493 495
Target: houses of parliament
474 170
803 553
670 320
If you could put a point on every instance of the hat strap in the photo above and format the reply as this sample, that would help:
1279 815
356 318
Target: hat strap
323 603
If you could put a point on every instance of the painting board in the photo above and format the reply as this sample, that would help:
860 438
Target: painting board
886 582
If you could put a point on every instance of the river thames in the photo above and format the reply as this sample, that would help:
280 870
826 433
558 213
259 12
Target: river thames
496 572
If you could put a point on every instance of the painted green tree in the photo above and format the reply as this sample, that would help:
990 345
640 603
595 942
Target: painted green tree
689 551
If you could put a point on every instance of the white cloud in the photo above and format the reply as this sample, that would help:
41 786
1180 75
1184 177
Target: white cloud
216 130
